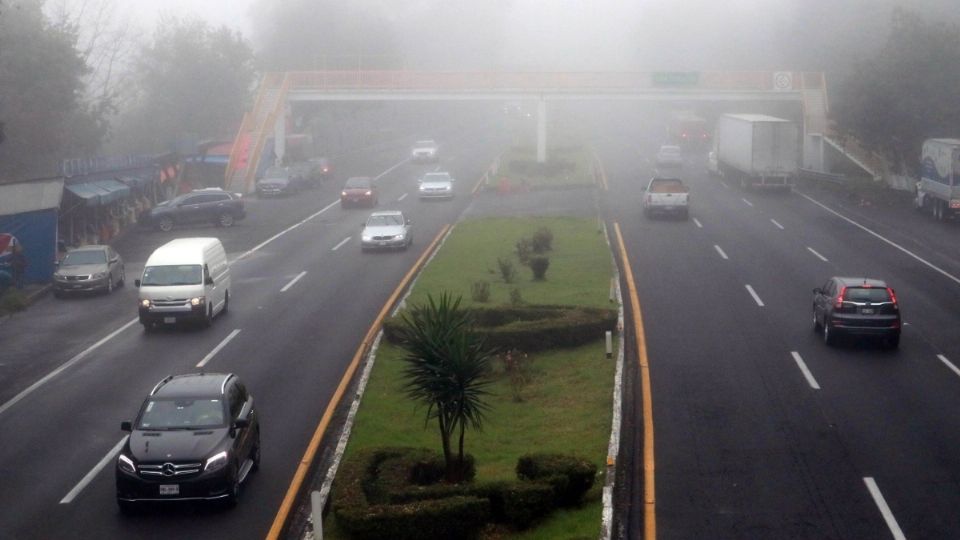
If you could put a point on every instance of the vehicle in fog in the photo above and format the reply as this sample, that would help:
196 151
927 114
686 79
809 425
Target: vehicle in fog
669 156
666 196
687 129
386 230
184 280
208 205
435 185
856 306
88 269
196 438
359 191
939 187
758 151
282 181
425 151
323 167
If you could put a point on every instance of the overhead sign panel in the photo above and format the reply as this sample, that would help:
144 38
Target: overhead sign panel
675 78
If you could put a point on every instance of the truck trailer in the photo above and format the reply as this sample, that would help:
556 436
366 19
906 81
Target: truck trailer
939 187
757 151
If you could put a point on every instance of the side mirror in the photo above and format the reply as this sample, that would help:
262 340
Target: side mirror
208 281
241 423
408 221
114 260
817 291
126 426
136 283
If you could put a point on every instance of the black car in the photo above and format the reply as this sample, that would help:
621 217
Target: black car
856 306
209 205
283 181
196 438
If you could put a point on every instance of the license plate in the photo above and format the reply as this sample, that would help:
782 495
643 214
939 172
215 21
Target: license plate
169 489
867 311
382 243
169 320
668 208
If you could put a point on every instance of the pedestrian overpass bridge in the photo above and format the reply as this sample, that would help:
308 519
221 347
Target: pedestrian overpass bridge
268 116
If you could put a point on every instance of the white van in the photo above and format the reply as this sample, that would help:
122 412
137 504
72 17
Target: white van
187 279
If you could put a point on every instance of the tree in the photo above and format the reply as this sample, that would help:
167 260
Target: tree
907 92
448 370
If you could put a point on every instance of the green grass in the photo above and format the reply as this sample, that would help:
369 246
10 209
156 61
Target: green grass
12 300
566 407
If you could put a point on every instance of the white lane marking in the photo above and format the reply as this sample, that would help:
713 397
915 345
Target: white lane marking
402 197
724 184
779 226
80 356
949 364
927 263
884 509
342 242
756 298
817 255
217 349
697 223
806 372
437 168
260 246
386 172
720 251
69 497
295 279
746 202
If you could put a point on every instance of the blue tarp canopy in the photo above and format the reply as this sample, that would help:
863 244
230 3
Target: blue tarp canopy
99 192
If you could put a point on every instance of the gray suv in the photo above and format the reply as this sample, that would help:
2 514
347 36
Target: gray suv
209 205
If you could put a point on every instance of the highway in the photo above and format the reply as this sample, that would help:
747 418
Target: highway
303 297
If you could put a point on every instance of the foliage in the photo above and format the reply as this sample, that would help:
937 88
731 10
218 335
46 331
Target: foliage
906 92
480 291
507 271
447 370
518 367
542 240
570 476
524 247
12 300
516 297
539 267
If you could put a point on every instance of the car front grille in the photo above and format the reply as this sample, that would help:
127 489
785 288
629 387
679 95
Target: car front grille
76 278
169 470
383 237
169 302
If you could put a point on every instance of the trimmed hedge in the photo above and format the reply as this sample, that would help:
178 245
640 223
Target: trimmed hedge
571 477
532 328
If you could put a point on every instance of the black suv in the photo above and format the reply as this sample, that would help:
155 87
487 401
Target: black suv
196 437
209 205
860 306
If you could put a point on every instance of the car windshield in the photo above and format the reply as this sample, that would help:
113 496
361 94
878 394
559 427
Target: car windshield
182 413
436 177
357 183
425 144
866 294
89 256
670 150
384 221
181 274
277 172
666 186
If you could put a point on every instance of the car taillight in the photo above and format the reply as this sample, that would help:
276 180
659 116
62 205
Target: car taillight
893 298
839 303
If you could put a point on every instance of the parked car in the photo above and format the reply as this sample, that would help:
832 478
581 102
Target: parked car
425 151
209 205
196 437
87 269
666 196
856 306
386 230
436 185
359 190
669 156
323 168
282 181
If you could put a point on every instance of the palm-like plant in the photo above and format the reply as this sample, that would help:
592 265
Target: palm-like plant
448 370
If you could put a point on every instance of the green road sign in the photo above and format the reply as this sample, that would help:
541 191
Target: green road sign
675 78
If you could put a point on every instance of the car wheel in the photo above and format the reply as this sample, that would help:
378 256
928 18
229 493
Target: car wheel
149 327
234 496
165 224
57 294
225 220
208 318
123 277
226 302
109 288
127 508
816 323
255 453
828 335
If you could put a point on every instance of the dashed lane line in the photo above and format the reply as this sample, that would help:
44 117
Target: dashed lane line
295 280
949 364
342 242
775 222
697 223
756 297
746 202
218 348
884 508
805 370
720 251
817 255
402 197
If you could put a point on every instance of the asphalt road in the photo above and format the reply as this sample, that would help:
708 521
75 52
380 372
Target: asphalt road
300 304
761 430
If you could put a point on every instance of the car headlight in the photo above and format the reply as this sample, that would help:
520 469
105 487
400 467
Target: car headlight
399 236
343 193
145 303
366 238
126 464
198 300
216 462
422 188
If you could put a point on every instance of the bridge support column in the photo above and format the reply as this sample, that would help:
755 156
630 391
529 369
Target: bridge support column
280 137
541 131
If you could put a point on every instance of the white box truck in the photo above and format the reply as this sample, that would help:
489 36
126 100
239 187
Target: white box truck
756 150
939 187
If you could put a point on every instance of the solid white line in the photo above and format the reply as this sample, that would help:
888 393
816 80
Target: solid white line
748 203
720 251
724 184
402 197
779 226
817 255
949 364
216 349
69 497
884 509
697 223
80 356
930 265
342 242
386 172
294 280
806 372
756 298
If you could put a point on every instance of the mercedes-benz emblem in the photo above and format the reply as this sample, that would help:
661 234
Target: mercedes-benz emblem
168 469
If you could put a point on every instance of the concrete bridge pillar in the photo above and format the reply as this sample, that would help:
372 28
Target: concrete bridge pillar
541 131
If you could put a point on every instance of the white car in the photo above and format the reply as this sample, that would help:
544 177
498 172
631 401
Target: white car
424 151
669 156
386 230
436 185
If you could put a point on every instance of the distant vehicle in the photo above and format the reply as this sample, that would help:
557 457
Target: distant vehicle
184 280
359 190
282 181
209 205
386 230
758 151
89 268
436 185
856 306
666 196
323 167
669 156
713 167
939 187
687 129
196 438
425 151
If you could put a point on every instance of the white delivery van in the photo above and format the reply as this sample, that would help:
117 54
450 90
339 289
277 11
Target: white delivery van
184 280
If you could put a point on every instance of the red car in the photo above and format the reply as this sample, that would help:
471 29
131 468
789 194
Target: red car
359 190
